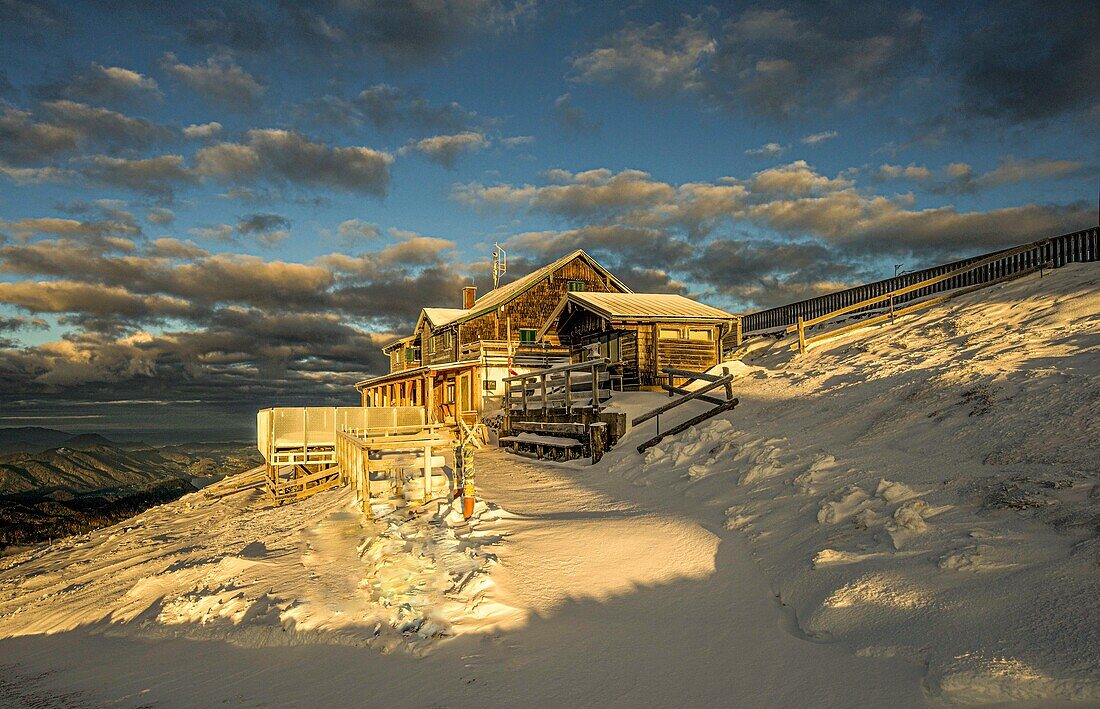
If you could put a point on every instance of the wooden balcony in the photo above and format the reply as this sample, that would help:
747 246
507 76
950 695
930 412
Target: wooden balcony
496 351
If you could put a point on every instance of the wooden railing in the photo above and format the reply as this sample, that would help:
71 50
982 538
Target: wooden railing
888 301
363 456
562 388
1078 246
498 349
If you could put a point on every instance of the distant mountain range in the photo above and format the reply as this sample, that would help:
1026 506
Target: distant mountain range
54 483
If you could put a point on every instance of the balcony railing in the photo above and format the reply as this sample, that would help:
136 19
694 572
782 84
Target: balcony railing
498 350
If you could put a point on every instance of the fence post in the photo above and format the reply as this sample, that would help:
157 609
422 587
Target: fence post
801 336
568 394
595 390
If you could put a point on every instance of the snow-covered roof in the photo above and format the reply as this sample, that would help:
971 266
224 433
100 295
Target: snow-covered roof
639 306
648 305
439 317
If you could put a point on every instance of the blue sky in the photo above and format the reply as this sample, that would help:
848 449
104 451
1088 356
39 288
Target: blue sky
233 203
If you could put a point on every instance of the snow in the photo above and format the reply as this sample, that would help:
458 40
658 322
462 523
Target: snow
929 490
904 515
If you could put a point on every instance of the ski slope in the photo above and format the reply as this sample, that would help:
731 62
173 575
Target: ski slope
902 516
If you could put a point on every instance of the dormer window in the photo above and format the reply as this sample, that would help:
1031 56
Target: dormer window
576 286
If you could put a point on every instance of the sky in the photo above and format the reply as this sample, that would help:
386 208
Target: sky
211 207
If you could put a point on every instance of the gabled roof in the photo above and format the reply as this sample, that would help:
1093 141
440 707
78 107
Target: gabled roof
394 343
499 296
664 307
439 317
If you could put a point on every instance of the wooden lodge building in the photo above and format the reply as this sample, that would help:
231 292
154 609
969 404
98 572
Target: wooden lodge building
455 360
641 334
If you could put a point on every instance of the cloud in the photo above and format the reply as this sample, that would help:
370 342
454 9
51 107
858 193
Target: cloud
815 138
106 85
158 176
219 80
517 140
202 131
961 178
23 141
21 322
767 150
279 155
388 107
773 62
792 200
69 296
653 61
572 119
161 216
267 229
64 126
354 231
34 175
215 232
446 149
101 126
1018 64
55 226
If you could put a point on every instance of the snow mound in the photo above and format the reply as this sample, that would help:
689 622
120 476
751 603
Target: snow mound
241 571
927 490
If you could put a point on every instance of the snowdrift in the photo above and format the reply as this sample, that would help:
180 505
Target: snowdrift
929 490
242 571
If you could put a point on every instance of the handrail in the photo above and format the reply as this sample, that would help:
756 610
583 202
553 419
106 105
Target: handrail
694 394
1074 247
804 342
558 369
916 286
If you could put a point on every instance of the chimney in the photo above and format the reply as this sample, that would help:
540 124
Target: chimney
469 295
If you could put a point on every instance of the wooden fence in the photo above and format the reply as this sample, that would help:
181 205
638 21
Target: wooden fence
1078 246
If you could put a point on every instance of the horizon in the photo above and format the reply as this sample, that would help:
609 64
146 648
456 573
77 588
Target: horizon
211 208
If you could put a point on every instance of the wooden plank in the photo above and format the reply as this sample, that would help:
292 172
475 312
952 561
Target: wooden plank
698 393
687 424
687 373
679 390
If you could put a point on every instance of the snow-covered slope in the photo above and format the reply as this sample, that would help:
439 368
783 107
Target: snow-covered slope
241 571
921 499
929 490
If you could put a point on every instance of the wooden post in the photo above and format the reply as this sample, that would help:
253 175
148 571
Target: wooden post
595 390
801 336
427 473
568 394
545 400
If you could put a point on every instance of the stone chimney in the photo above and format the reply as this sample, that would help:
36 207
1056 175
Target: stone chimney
469 295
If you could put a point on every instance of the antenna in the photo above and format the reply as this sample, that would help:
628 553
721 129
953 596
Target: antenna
500 264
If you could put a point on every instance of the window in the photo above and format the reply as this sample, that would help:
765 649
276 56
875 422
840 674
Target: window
442 342
701 334
490 385
410 355
576 286
670 333
449 393
527 336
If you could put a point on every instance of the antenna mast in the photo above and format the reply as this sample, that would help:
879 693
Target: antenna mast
500 264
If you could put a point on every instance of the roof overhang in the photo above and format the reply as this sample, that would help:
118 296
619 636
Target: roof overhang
416 371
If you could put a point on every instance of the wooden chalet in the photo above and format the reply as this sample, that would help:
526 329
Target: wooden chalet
641 334
455 360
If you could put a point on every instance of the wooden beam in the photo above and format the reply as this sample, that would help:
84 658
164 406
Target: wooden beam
697 394
679 390
687 424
